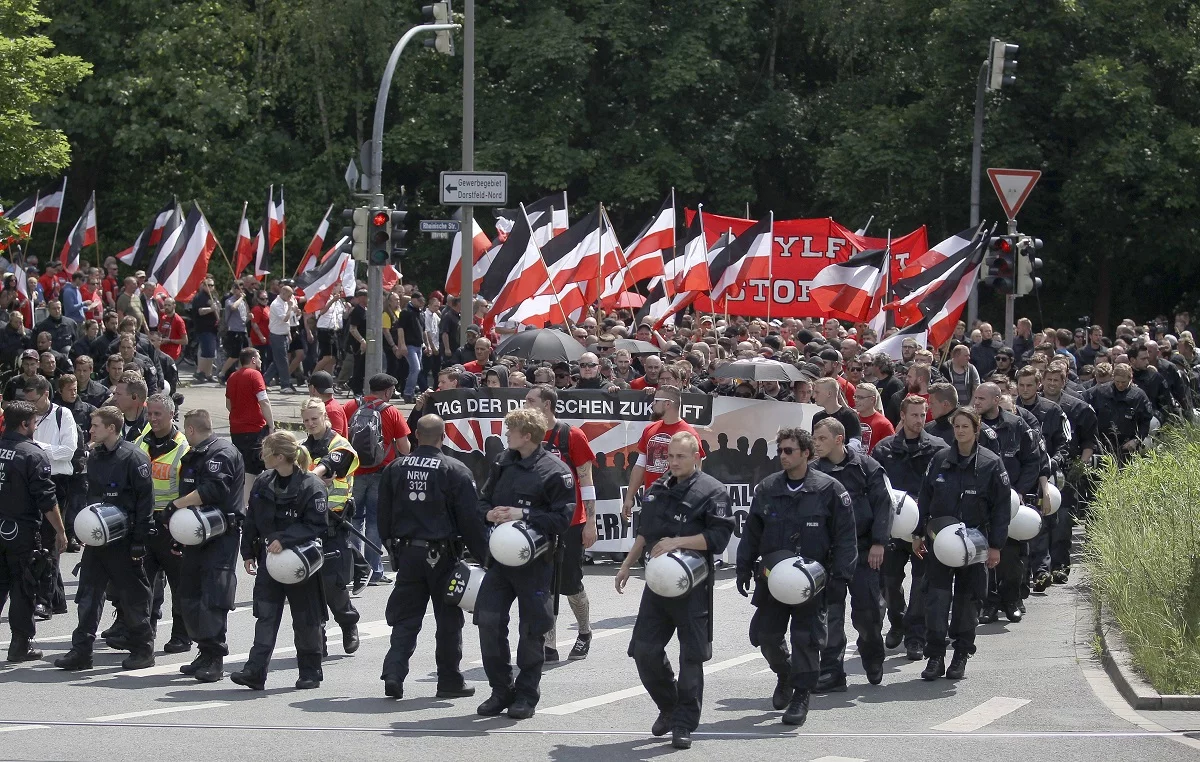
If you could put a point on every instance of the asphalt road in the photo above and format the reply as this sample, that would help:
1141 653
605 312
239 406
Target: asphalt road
1034 690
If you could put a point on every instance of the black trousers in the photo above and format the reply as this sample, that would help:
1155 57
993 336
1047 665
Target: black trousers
336 574
1005 581
207 585
1039 547
417 583
162 568
866 614
1061 537
100 566
952 598
809 627
17 582
530 587
359 363
658 619
307 607
907 618
52 593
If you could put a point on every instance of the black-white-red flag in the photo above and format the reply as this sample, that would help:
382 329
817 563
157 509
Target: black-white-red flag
187 264
136 255
82 236
50 203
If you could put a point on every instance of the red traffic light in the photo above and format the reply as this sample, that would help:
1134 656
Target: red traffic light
1002 245
379 219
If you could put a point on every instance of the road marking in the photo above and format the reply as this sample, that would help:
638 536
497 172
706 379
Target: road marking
850 651
725 585
982 715
153 712
609 698
566 645
15 728
839 759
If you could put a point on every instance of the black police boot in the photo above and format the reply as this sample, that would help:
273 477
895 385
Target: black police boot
583 644
874 672
681 738
211 672
783 692
307 684
496 703
117 629
198 663
662 725
914 651
119 643
831 682
1041 581
958 666
551 655
255 681
177 645
461 690
797 710
139 658
392 689
935 669
41 612
894 637
1060 576
350 639
521 709
21 649
74 660
988 614
1013 613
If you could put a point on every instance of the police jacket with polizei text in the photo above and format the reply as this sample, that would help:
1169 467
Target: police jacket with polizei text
905 461
292 514
26 489
121 477
817 521
214 468
1019 450
862 476
697 504
943 429
1055 429
1120 415
426 495
972 488
540 484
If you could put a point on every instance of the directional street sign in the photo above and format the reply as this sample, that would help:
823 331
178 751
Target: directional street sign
474 188
1013 187
440 226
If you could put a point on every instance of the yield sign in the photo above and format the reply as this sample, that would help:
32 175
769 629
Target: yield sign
1012 187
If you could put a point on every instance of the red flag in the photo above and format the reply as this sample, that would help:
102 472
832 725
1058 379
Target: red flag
82 236
309 260
23 214
276 221
479 246
244 250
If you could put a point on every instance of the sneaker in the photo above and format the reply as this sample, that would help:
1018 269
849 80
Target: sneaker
382 579
935 669
1041 581
583 644
359 584
797 710
1060 576
894 637
958 666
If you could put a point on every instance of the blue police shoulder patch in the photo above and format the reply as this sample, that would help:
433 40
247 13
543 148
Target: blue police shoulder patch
319 504
214 466
144 470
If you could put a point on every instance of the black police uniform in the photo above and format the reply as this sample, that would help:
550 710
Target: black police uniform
1022 456
1154 384
427 502
905 461
543 487
338 570
26 494
863 478
698 504
1074 488
292 510
120 477
815 519
973 489
163 562
1055 432
208 573
1121 416
943 429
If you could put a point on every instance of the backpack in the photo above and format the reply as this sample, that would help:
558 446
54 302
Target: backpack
366 433
560 443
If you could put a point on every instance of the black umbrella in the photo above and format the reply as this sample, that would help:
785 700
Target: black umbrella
636 347
542 344
759 369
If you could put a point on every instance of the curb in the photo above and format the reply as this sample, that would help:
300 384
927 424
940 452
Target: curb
1118 663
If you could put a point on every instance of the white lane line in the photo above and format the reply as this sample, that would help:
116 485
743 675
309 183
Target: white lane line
609 698
726 585
15 728
839 759
566 645
982 715
153 712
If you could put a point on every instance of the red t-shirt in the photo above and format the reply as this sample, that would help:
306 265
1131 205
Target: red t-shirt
242 390
874 428
653 446
473 367
336 416
847 391
51 284
91 310
172 328
110 287
394 428
641 383
260 317
580 451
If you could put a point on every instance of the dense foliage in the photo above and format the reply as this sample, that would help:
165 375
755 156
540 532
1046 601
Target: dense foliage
845 108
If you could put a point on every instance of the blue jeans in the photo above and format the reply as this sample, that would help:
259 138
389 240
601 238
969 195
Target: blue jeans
279 361
414 369
366 511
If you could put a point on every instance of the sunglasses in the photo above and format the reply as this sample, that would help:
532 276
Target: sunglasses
1002 358
854 368
789 450
588 364
561 375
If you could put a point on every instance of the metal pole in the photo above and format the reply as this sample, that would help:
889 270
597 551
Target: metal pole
976 161
1010 301
375 274
466 237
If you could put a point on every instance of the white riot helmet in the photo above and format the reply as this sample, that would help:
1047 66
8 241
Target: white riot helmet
904 515
1014 502
101 523
294 565
1051 500
675 574
793 579
958 545
1025 525
464 585
196 526
515 543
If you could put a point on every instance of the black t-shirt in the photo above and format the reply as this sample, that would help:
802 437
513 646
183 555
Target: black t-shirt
847 417
358 319
410 321
206 323
449 326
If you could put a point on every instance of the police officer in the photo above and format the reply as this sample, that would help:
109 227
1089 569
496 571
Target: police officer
684 509
428 508
905 457
119 475
1055 431
528 483
27 498
1022 458
211 473
970 484
1123 413
287 508
1080 449
333 461
863 479
807 512
165 445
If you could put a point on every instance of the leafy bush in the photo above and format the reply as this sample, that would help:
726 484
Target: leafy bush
1143 555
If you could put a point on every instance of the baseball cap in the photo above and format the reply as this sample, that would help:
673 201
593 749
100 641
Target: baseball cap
321 381
30 353
830 354
360 291
438 295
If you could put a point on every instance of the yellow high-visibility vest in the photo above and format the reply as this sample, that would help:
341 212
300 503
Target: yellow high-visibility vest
164 470
342 487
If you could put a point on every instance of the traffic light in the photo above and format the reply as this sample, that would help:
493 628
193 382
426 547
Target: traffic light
439 13
381 236
399 231
356 231
1002 64
999 264
1028 265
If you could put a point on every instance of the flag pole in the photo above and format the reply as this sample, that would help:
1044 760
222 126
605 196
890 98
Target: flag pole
771 270
600 269
216 240
549 280
283 222
98 261
58 218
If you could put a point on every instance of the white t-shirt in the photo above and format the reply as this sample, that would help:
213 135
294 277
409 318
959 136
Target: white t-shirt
278 323
332 317
433 323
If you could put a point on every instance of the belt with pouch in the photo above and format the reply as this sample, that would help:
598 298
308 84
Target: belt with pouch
402 542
